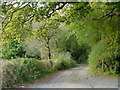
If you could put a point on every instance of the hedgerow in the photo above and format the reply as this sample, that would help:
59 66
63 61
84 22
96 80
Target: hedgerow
28 69
20 70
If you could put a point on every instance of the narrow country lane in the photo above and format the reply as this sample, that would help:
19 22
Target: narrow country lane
77 77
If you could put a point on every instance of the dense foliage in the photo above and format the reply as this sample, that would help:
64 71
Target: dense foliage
23 70
63 61
61 33
99 32
28 69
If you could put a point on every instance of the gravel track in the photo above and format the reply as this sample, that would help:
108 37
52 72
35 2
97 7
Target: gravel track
77 77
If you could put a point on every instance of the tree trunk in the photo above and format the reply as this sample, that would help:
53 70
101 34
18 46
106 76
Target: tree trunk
49 52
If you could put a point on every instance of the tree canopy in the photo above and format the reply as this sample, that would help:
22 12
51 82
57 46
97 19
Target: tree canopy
92 30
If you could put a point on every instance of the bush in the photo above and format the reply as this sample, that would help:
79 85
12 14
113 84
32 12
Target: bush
63 61
104 56
12 50
28 69
20 70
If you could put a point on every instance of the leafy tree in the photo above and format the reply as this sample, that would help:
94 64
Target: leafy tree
15 33
44 33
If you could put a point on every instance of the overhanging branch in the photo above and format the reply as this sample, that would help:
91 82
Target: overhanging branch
10 17
110 14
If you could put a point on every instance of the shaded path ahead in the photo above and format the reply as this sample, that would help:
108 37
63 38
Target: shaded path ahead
77 77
